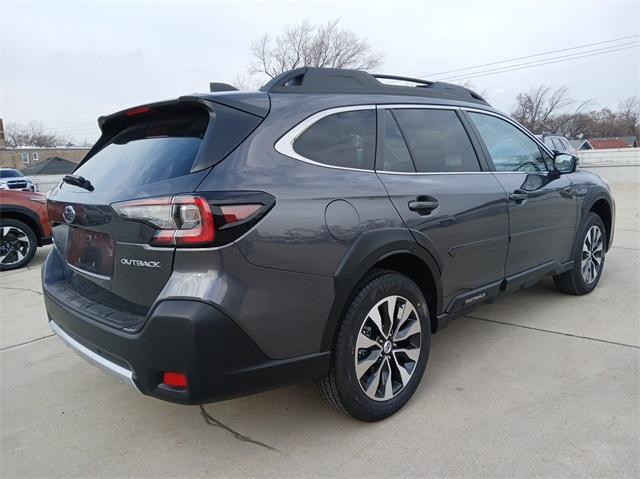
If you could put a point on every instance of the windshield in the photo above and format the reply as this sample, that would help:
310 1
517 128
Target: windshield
10 174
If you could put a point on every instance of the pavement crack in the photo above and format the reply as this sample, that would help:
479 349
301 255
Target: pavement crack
22 289
477 318
625 247
210 420
27 342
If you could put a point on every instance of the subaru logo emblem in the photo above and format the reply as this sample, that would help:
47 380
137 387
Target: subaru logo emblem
69 214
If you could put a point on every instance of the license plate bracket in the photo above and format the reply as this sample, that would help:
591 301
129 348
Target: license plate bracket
91 252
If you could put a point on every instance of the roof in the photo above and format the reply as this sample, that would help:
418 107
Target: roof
604 143
51 166
578 144
336 80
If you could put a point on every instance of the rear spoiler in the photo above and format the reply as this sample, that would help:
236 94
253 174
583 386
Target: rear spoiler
255 104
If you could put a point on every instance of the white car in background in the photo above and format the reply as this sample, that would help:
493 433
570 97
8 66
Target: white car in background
557 143
12 179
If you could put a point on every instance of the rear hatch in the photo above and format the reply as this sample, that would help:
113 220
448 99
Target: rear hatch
117 222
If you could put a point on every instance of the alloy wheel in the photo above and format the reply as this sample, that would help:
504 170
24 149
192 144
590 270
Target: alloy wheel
388 348
592 251
14 245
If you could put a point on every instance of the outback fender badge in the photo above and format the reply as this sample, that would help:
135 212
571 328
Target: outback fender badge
69 214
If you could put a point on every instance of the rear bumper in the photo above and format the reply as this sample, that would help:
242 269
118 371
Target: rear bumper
195 338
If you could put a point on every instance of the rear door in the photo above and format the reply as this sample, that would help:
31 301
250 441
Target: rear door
542 207
453 207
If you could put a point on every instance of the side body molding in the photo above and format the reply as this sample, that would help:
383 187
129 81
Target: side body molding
367 250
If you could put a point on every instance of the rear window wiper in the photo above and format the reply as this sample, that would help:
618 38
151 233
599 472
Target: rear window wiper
79 181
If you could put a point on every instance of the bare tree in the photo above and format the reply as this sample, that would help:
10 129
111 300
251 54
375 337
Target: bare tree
535 108
32 134
629 115
306 44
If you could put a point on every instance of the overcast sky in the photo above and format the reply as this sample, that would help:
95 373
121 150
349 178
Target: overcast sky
64 64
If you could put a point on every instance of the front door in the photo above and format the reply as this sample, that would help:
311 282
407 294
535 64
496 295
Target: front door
458 212
542 207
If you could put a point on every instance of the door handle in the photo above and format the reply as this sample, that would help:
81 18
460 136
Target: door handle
567 191
423 207
519 196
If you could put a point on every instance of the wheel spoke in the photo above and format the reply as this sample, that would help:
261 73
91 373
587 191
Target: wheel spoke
403 373
374 381
408 331
364 364
411 353
391 309
374 316
388 382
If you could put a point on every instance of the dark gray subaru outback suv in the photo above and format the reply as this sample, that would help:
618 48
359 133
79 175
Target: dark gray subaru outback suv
322 228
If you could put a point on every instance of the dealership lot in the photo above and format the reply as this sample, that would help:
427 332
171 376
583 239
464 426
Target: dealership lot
538 384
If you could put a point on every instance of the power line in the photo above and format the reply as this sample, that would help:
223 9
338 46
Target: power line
536 64
530 56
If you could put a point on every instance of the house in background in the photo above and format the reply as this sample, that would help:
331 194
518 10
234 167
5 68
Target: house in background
581 144
614 142
23 157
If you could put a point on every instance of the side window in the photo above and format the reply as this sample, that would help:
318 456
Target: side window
437 140
395 154
344 139
510 148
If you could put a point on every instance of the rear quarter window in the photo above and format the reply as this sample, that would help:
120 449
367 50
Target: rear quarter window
345 139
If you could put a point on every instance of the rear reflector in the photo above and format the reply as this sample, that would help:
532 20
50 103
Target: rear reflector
175 380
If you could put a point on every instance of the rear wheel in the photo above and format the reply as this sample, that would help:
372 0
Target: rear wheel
588 259
381 348
17 244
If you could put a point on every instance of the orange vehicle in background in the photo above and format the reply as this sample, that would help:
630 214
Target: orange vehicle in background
24 225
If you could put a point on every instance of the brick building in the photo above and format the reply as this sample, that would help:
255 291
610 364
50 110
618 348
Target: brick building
23 157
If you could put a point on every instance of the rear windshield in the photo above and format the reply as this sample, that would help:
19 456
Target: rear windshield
10 174
151 149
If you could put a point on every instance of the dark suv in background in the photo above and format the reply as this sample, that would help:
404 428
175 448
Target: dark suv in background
322 228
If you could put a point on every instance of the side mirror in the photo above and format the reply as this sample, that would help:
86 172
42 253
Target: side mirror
565 163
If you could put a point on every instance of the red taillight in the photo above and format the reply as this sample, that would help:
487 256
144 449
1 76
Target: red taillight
141 110
175 380
180 220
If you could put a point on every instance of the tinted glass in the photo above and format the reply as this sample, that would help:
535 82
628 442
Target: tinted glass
146 152
395 154
510 148
344 139
438 141
10 174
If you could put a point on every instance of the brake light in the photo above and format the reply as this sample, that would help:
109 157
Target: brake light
235 213
180 220
141 110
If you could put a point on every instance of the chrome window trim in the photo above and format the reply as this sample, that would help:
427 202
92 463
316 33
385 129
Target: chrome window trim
112 368
285 144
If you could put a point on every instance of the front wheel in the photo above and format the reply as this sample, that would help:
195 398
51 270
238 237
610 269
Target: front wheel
588 259
381 349
18 244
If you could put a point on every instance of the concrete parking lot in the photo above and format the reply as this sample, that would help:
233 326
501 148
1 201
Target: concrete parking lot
538 384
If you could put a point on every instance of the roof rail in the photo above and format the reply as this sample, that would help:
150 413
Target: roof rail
337 80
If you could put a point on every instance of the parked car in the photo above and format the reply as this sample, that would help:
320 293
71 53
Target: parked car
24 226
322 228
12 179
558 143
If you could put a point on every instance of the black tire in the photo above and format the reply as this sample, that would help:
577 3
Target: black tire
341 388
9 257
574 281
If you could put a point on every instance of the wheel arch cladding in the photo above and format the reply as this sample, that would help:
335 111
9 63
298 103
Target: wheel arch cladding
602 208
24 215
394 249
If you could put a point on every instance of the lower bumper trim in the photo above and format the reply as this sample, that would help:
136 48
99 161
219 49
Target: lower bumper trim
123 374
